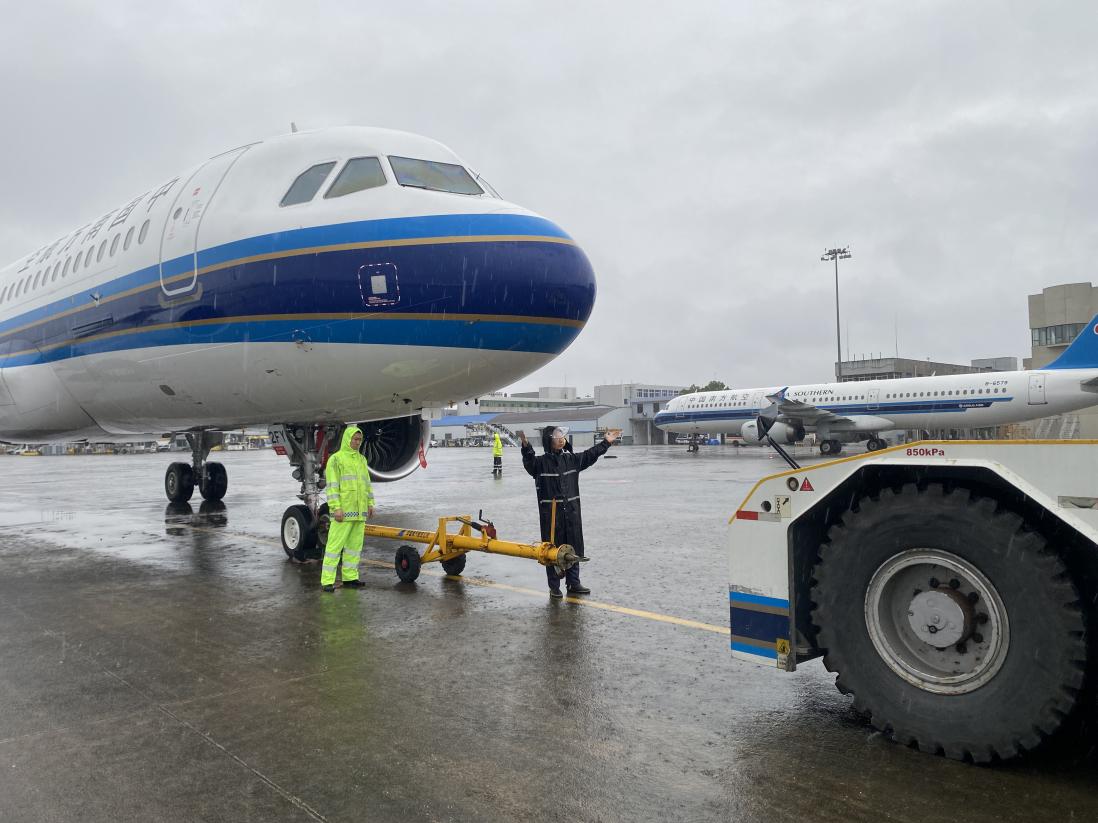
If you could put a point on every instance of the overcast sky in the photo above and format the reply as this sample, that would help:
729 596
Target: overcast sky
702 157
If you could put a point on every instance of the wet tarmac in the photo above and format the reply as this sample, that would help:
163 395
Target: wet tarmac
168 663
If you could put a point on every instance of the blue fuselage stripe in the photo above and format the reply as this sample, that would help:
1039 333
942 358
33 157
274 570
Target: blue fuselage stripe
455 290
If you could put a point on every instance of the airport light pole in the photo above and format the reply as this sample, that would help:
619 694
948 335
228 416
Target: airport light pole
837 255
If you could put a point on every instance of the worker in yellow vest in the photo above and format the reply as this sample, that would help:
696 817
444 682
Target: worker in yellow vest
350 503
497 456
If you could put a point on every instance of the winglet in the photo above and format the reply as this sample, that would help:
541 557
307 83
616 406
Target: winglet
1083 351
778 396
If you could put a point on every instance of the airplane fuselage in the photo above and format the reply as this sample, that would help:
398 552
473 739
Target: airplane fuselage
945 402
215 301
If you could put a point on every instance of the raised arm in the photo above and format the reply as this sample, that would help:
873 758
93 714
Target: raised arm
528 457
587 458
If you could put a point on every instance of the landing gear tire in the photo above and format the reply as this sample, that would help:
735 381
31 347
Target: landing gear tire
956 628
455 565
407 564
320 530
830 447
216 482
875 444
298 534
179 482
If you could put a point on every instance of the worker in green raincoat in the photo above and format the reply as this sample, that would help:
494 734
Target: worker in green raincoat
350 503
497 456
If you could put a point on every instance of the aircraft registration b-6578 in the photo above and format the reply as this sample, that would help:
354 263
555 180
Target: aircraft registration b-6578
301 282
861 410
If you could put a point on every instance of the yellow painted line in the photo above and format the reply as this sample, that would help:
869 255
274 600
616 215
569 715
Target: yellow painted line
540 594
257 258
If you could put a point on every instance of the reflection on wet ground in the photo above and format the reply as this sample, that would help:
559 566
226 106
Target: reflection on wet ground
165 662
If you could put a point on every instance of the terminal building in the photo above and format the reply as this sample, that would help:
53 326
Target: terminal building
631 407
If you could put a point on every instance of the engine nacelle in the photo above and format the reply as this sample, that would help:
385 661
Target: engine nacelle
783 433
392 446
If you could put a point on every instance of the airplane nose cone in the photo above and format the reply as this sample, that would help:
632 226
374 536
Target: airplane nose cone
537 277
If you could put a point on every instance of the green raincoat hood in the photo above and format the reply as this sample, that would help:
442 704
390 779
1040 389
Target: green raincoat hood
350 432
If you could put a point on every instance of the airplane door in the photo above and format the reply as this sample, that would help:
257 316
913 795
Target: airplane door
179 242
872 397
1037 390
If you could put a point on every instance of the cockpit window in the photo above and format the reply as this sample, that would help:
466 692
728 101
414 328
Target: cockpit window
307 184
430 174
359 173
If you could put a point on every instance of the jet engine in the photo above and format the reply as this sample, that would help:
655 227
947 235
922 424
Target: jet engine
783 433
392 446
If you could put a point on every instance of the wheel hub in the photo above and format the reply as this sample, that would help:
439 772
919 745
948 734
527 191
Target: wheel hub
941 618
937 621
292 533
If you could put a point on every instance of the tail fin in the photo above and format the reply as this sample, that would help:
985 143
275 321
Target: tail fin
1083 351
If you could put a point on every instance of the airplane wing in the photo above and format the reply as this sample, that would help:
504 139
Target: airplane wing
796 411
785 410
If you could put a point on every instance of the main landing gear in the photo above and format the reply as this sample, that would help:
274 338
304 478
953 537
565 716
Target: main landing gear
211 478
830 447
305 525
875 444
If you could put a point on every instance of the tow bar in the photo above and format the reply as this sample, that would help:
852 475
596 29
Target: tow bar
450 548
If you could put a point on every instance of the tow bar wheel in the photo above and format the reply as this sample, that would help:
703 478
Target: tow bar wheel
407 564
455 565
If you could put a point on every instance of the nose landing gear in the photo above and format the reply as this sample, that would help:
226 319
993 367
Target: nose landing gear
305 525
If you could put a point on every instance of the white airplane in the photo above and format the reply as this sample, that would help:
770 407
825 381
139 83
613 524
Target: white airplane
300 282
861 410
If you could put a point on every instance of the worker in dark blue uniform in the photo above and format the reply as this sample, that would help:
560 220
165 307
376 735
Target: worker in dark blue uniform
556 477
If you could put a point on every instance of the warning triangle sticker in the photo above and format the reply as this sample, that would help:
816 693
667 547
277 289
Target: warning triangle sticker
806 486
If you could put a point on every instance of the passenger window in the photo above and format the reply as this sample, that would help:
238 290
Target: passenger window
114 244
429 174
144 231
307 184
129 239
359 174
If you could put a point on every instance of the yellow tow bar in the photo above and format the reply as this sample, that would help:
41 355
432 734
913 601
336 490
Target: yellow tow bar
450 548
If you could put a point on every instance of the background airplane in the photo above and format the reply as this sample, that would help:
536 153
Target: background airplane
344 275
861 410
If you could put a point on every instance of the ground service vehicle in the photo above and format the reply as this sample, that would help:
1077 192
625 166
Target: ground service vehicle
951 585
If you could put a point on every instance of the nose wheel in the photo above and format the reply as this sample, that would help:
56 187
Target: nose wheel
298 533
